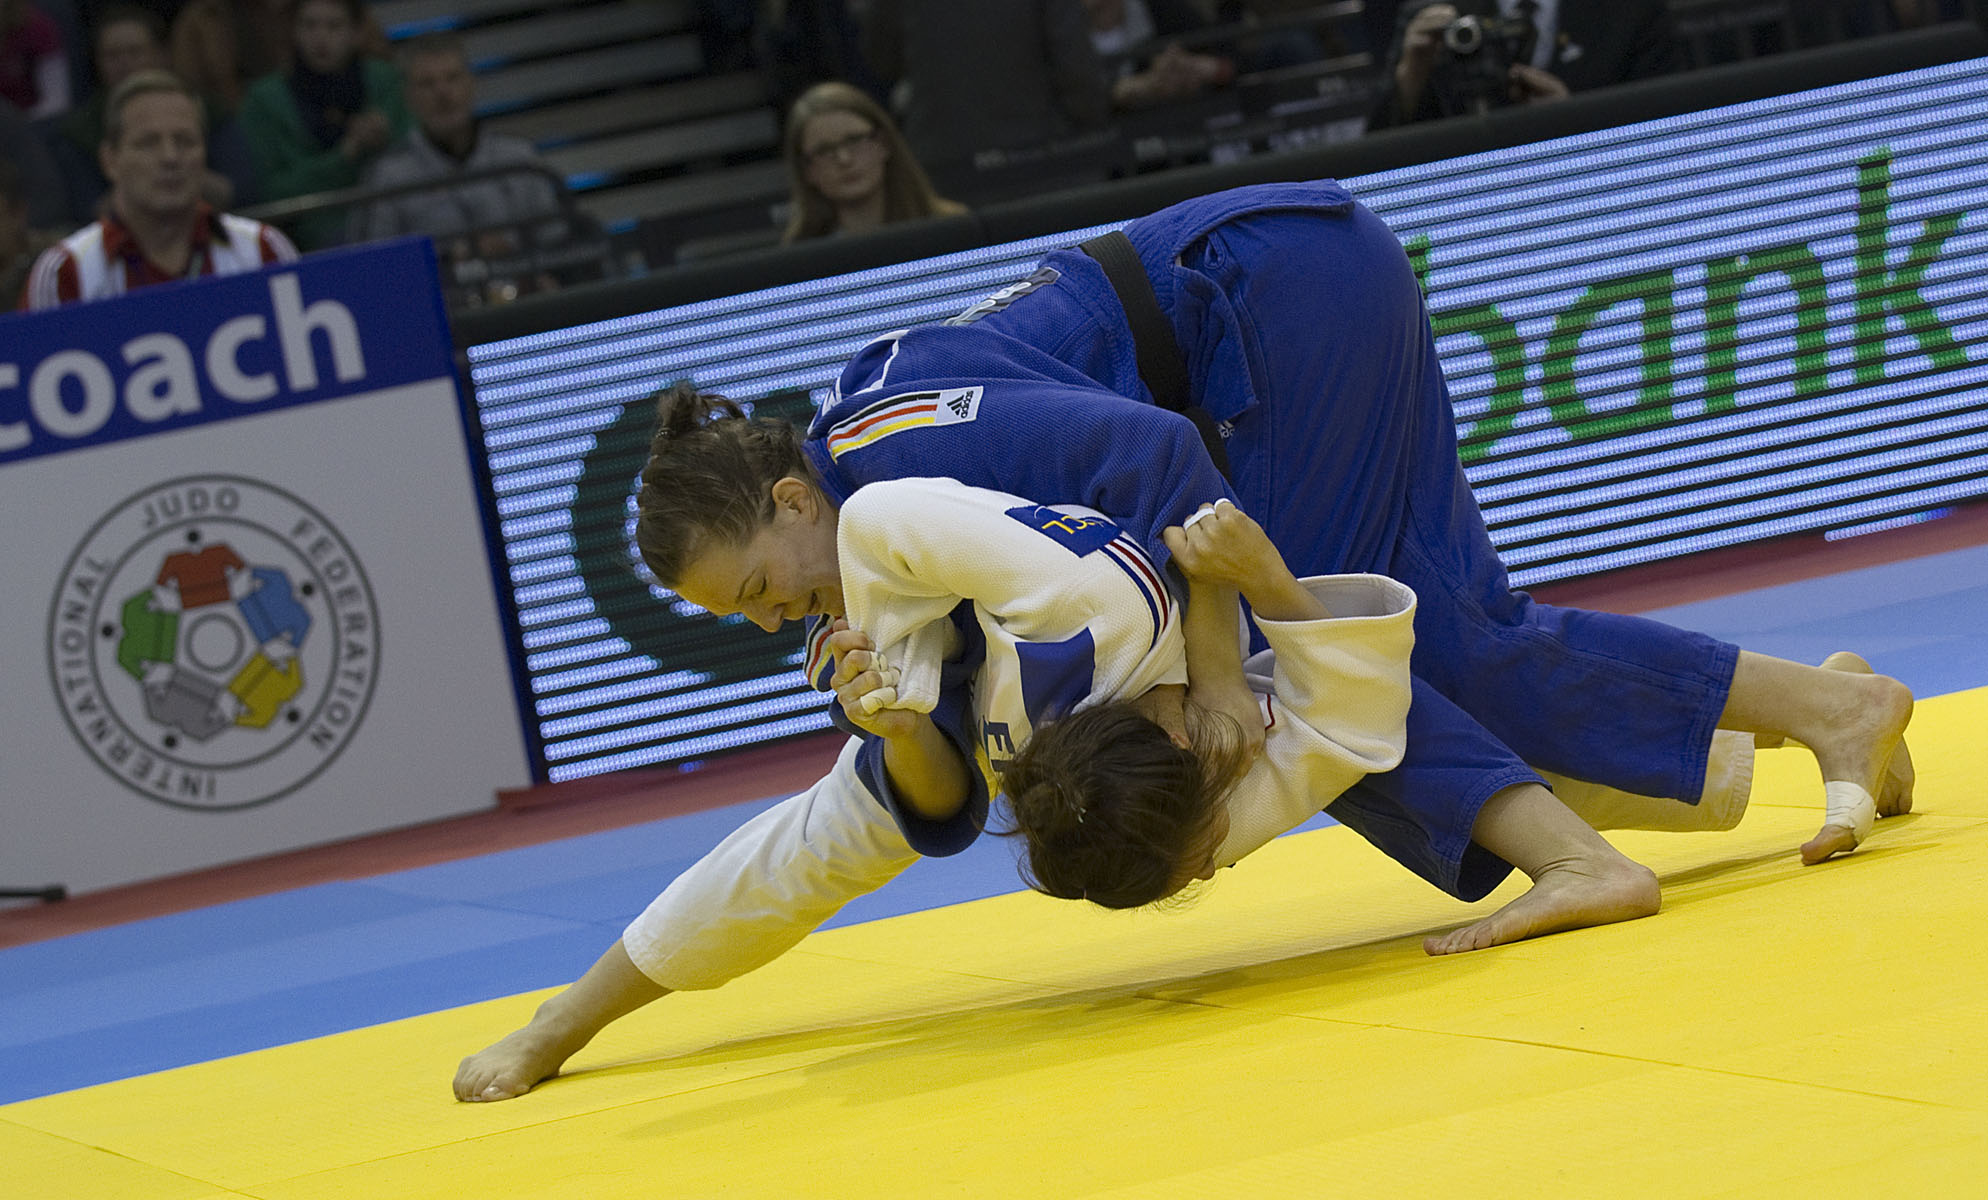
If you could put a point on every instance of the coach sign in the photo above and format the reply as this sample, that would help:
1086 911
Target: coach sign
247 602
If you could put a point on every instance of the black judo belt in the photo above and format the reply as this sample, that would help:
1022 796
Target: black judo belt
1161 364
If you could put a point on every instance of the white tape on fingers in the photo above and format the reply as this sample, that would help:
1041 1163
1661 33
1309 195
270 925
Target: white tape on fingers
1851 807
873 702
1207 510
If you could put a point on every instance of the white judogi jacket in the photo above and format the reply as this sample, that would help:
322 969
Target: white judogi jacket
1049 586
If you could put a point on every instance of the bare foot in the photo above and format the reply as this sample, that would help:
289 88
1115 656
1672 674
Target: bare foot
1569 896
1861 739
1895 796
611 989
513 1065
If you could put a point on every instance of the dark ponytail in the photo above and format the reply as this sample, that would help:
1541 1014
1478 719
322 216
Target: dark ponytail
710 475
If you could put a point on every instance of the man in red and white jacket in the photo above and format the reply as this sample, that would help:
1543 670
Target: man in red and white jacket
155 228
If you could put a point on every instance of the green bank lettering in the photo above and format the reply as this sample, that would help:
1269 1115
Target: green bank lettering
1887 286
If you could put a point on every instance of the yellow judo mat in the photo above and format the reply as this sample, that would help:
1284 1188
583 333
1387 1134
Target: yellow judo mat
1776 1031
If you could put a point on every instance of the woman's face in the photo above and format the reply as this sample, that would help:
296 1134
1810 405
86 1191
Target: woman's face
786 571
843 156
327 37
125 48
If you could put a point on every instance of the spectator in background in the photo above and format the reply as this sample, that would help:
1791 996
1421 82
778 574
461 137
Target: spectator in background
21 242
34 68
988 74
848 168
319 125
1575 45
129 40
156 228
446 143
1121 27
221 47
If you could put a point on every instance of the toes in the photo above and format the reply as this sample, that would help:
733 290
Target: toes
508 1085
1833 840
496 1089
477 1082
1459 941
1445 944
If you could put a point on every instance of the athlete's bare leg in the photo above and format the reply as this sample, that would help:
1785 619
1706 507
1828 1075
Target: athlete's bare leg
611 989
1578 879
1853 721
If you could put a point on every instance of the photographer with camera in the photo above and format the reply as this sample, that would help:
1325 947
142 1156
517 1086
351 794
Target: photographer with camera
1458 57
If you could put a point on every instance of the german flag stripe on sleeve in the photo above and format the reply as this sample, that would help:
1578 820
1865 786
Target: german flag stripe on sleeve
910 410
819 665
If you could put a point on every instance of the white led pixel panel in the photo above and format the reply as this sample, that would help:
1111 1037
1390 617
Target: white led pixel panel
1701 331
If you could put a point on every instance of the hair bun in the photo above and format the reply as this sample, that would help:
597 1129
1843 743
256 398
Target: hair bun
681 409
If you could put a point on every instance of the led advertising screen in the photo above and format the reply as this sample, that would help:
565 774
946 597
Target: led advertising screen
1695 332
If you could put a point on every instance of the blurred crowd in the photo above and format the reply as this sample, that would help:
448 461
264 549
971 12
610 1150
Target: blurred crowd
132 130
121 169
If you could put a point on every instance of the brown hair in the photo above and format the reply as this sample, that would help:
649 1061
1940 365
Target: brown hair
1110 810
131 14
908 194
710 473
144 83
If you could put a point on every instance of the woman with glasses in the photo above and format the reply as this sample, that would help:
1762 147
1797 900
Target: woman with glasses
850 170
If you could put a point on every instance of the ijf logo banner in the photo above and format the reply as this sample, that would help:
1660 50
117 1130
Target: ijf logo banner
214 642
245 509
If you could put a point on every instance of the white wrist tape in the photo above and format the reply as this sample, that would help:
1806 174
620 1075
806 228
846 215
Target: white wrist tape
1851 807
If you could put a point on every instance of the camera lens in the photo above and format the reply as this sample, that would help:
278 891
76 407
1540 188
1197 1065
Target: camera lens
1465 35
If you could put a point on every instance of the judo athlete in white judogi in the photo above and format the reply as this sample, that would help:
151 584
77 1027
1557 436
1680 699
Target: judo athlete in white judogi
1070 611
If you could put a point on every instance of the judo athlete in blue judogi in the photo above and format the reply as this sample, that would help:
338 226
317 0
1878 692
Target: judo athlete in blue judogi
1305 336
